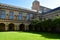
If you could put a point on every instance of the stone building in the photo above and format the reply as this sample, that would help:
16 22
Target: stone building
36 6
17 18
45 13
52 14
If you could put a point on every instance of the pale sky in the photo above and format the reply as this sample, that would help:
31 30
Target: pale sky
28 3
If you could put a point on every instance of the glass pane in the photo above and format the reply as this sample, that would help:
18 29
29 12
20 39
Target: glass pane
20 16
10 15
2 14
28 17
32 16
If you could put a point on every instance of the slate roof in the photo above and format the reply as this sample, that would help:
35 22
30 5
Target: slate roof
58 8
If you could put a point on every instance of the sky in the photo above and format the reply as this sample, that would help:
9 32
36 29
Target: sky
28 3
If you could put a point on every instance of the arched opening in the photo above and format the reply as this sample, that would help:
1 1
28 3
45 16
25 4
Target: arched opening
11 27
2 26
21 27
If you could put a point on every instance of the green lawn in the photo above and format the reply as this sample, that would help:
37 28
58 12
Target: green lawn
28 36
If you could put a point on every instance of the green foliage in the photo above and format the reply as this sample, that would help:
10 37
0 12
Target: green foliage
33 23
47 25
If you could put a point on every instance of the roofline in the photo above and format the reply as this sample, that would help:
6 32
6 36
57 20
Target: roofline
58 8
45 7
18 7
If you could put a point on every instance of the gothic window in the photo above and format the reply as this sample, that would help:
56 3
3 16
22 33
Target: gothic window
27 16
2 14
11 15
20 16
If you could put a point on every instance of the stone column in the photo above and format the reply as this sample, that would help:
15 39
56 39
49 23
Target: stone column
6 27
6 17
15 17
7 13
26 28
17 27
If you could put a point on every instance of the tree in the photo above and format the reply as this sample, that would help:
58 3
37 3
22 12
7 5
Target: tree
32 26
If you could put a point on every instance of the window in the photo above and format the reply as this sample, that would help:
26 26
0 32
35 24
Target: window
11 15
32 16
2 14
44 9
40 11
28 17
20 16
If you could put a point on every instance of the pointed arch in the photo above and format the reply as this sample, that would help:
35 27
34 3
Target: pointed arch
2 27
11 27
22 27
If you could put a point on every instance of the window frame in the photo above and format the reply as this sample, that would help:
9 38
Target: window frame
11 15
27 16
20 16
2 14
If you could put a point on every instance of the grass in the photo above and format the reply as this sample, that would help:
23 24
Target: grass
28 36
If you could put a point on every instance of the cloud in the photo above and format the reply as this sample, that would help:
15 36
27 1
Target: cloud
50 3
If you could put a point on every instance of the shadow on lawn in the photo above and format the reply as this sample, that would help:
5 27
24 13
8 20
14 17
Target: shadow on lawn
48 35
